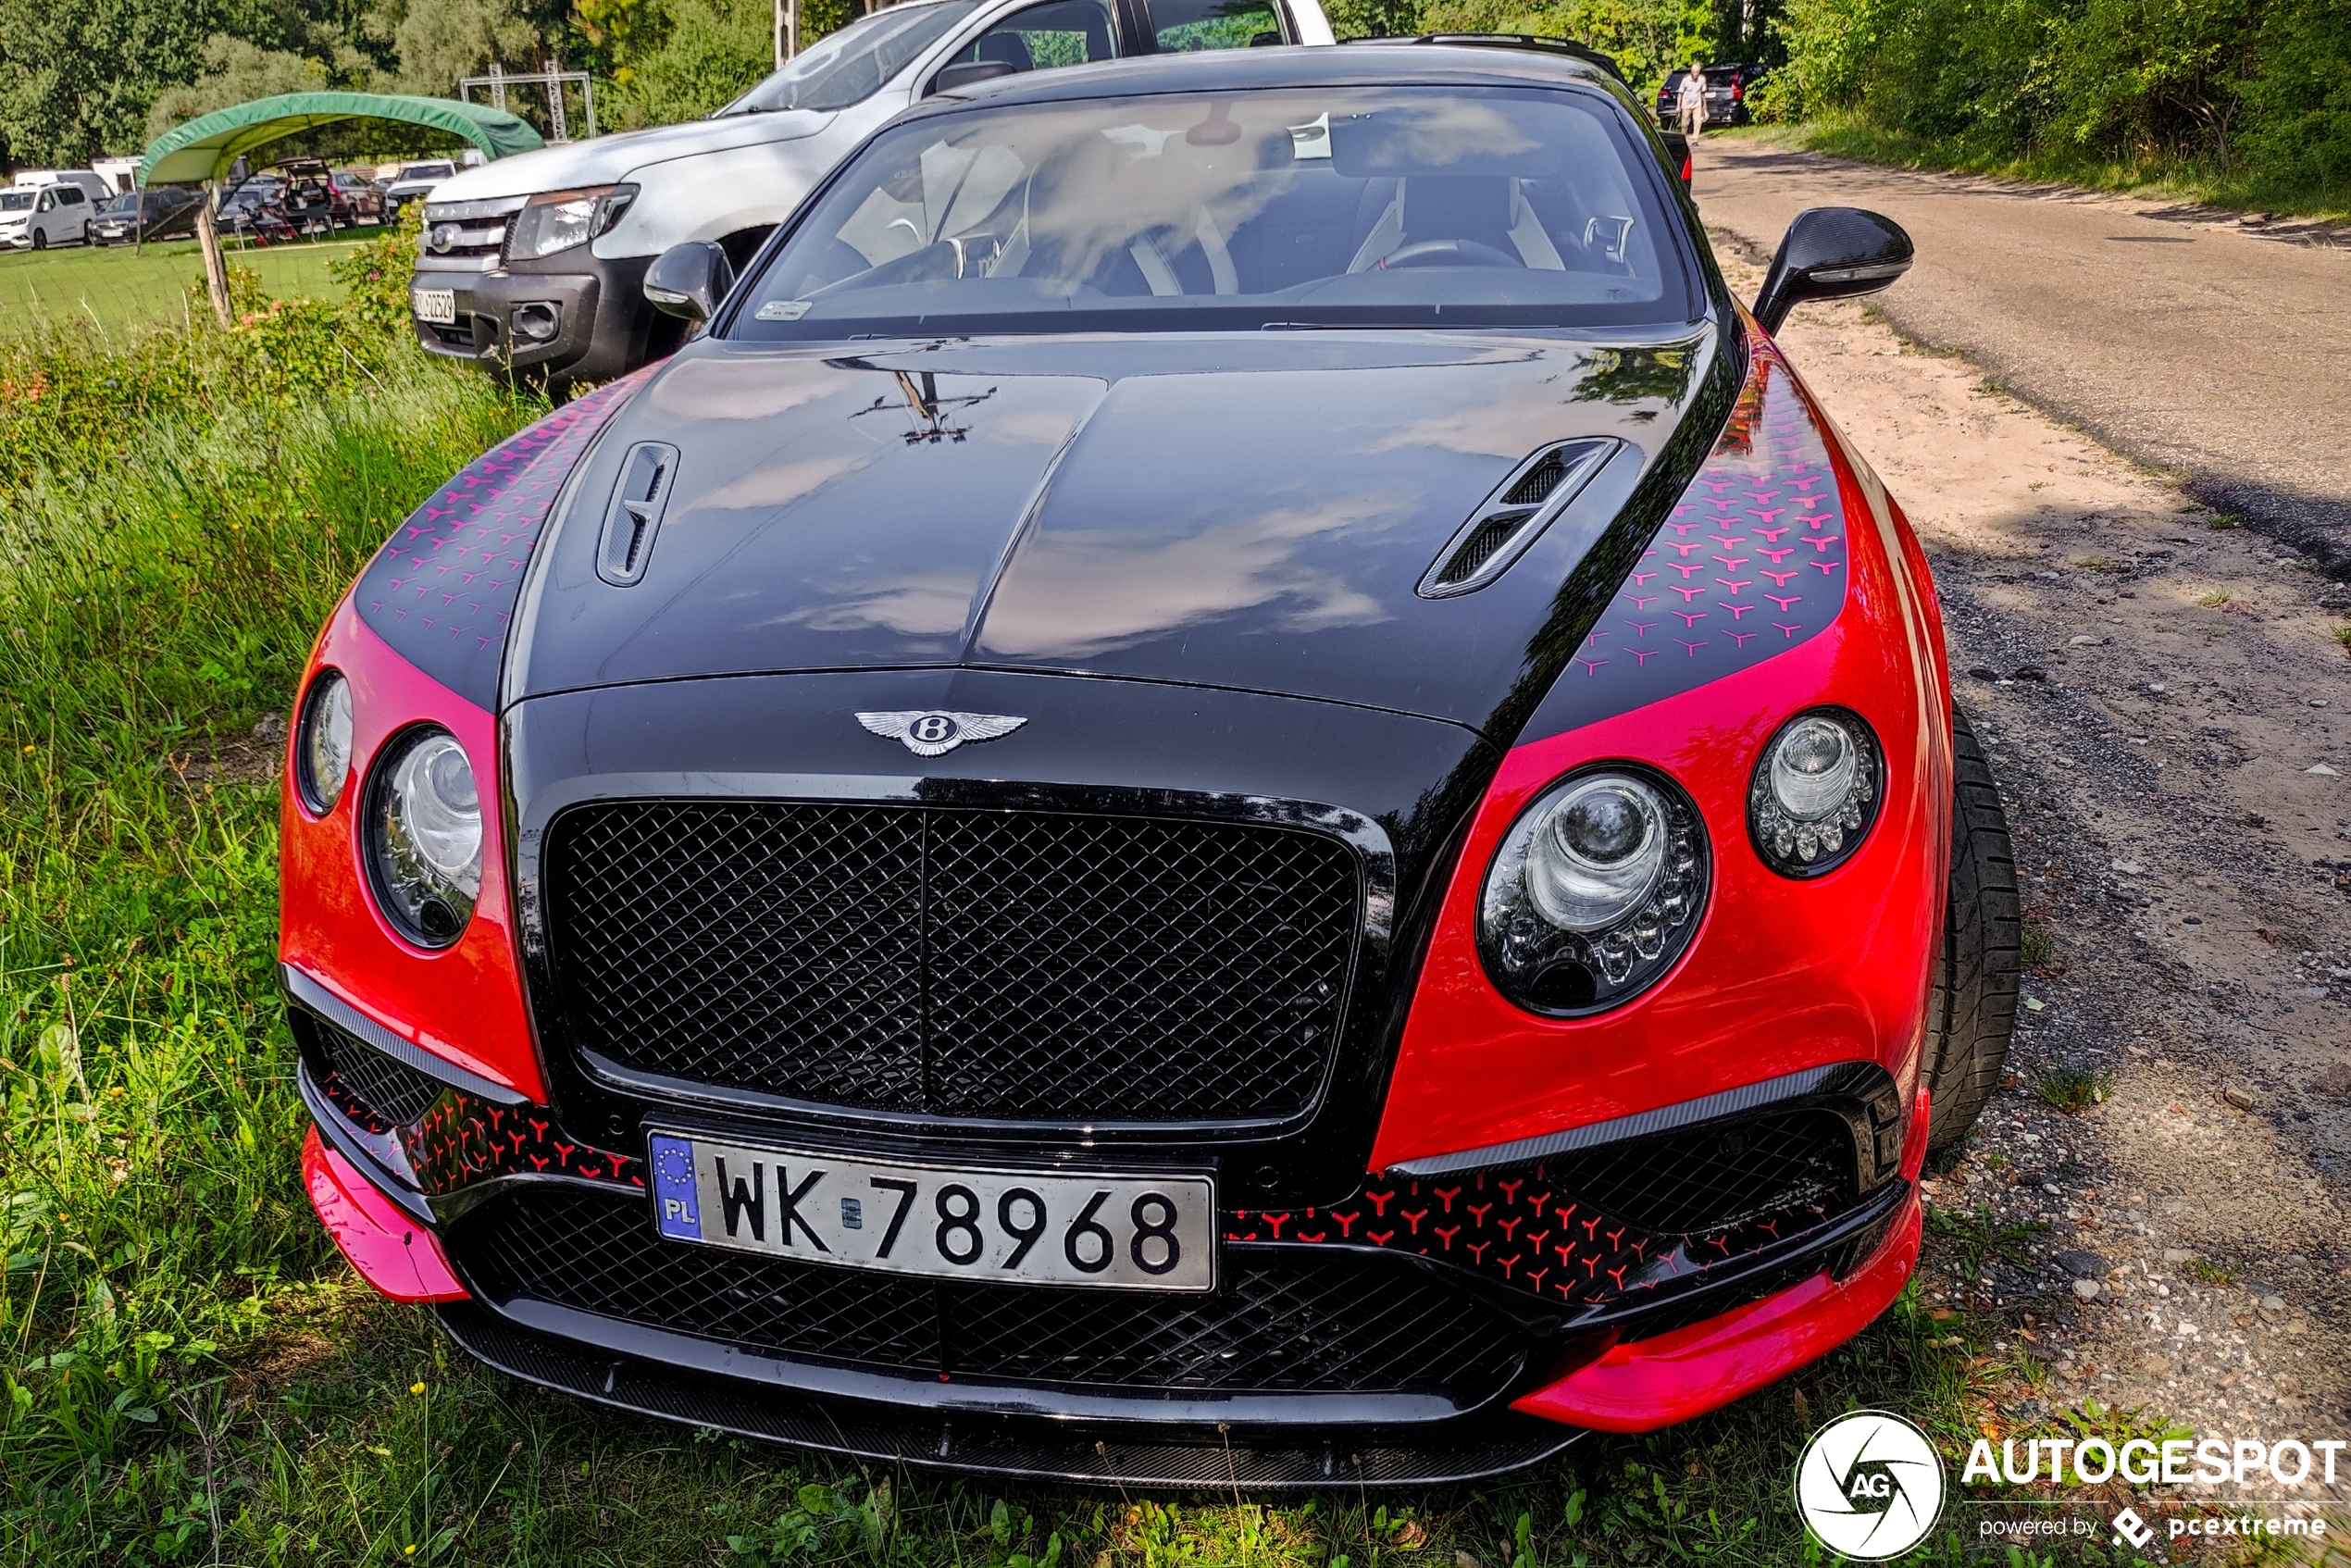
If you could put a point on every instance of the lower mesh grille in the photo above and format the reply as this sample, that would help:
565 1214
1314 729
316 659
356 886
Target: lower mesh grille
1279 1322
1714 1178
393 1093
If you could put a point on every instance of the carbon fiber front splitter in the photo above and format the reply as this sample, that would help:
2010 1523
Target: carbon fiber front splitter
1468 1449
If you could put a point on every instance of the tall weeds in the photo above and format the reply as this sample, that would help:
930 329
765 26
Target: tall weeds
177 515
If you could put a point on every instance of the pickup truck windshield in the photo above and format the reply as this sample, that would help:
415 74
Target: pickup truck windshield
850 66
1296 207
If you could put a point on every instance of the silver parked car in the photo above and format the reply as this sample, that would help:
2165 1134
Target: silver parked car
537 263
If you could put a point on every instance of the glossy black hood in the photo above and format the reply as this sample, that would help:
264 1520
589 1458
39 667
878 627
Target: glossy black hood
1253 511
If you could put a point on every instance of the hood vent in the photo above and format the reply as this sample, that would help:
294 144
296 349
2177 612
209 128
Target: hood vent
634 516
1516 516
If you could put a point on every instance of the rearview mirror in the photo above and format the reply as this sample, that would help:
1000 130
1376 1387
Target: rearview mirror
1831 254
969 73
689 281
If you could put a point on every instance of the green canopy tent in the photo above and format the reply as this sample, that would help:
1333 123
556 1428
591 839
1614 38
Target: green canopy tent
205 147
202 149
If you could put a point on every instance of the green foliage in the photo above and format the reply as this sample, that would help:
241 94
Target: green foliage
2256 90
375 276
708 53
182 510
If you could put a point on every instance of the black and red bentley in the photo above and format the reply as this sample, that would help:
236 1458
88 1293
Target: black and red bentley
1229 783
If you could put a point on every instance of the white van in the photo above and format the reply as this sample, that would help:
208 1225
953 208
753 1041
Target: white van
537 262
95 188
56 212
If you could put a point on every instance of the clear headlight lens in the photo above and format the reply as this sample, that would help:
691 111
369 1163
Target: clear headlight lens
557 221
1595 891
425 837
1815 792
322 746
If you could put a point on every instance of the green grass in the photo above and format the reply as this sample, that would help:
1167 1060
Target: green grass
119 289
188 1374
2070 1087
1849 135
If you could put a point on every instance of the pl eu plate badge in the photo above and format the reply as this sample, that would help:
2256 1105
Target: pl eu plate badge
674 1196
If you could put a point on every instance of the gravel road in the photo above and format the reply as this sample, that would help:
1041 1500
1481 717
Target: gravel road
2177 335
2169 710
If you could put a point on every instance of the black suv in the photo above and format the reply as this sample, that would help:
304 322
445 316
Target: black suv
1726 91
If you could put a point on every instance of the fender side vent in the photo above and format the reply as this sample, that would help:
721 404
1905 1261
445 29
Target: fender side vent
634 516
1514 517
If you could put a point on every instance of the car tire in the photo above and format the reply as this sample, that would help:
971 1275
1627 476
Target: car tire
40 239
1971 1009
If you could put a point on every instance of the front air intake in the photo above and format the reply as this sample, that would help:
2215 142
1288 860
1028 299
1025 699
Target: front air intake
1514 517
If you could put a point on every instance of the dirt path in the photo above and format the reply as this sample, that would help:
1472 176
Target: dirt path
2174 334
2169 710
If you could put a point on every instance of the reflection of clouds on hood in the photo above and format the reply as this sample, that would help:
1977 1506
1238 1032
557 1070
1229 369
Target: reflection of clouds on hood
782 484
741 389
1484 416
1081 593
912 605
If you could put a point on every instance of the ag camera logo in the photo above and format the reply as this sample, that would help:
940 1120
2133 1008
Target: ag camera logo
1869 1485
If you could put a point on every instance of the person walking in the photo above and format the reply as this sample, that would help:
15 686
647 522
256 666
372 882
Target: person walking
1691 105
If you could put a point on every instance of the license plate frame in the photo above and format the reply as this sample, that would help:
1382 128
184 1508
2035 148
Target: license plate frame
435 307
1091 1229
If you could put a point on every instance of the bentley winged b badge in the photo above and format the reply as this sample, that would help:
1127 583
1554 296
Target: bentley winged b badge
933 733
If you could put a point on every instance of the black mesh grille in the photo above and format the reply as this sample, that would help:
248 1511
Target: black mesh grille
1026 966
394 1092
1492 535
1712 1178
1279 1322
1540 481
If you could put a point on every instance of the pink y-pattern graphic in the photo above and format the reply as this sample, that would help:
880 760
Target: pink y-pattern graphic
1751 562
1517 1226
463 1138
442 589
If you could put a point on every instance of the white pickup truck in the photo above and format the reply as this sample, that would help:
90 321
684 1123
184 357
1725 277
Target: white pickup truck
537 263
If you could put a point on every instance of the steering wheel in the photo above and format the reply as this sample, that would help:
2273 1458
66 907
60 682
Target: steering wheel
1450 252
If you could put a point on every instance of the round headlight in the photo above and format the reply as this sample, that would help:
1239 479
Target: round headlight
1594 893
322 744
425 837
1815 792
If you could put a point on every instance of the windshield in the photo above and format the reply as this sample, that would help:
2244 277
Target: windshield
429 171
16 200
850 66
1385 206
126 201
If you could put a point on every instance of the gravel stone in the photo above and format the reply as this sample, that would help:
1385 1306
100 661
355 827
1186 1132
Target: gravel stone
2082 1265
2087 1288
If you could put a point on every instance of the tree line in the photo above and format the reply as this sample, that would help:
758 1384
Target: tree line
2239 85
2258 92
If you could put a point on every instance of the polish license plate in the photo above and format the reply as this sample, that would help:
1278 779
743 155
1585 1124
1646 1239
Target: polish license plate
1113 1232
435 305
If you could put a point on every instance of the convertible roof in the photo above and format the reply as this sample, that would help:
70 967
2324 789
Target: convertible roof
205 147
1369 63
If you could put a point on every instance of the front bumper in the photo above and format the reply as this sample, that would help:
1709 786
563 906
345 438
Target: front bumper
438 1208
600 321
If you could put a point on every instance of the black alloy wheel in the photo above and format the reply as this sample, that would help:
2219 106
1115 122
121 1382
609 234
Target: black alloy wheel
1971 1011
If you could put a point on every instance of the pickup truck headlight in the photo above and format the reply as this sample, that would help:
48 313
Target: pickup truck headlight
557 221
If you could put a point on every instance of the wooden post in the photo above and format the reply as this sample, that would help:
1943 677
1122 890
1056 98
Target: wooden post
216 271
